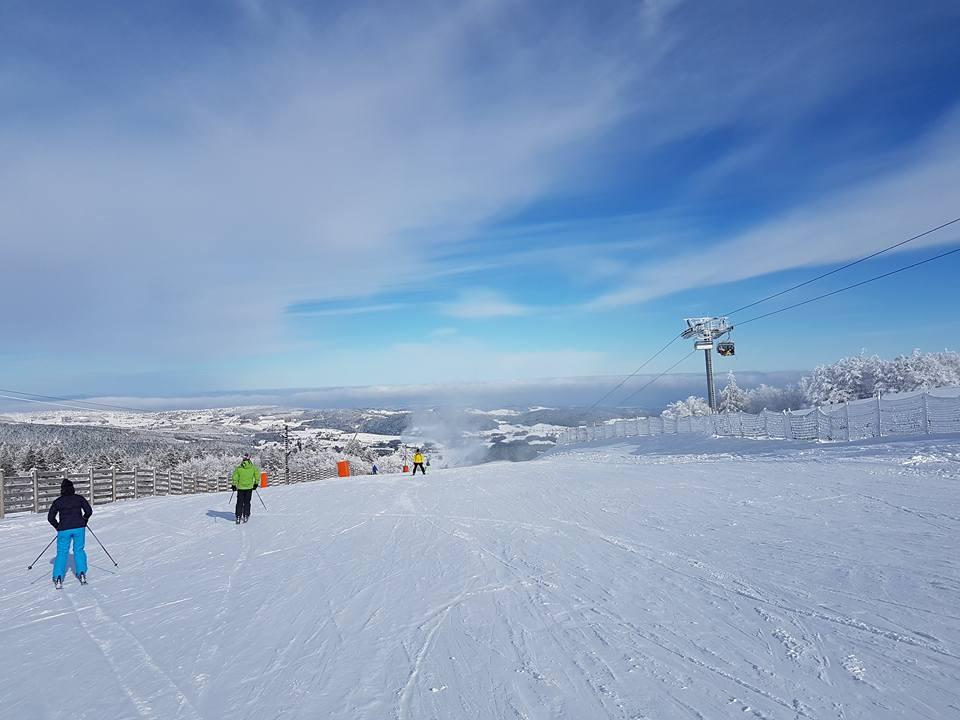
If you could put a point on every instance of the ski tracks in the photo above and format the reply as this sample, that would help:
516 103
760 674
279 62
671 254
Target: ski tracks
146 684
209 647
403 705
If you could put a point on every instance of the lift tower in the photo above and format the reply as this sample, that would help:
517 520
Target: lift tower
704 331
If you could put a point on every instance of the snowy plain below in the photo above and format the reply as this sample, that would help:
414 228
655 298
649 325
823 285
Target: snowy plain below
666 577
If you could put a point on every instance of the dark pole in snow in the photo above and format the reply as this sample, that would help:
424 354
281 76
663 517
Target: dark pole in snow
286 456
30 566
101 545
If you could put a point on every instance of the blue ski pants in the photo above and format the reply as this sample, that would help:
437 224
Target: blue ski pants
78 536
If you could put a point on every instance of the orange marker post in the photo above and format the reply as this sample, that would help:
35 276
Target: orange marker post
263 479
343 468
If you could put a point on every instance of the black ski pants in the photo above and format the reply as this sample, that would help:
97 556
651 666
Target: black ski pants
243 502
419 465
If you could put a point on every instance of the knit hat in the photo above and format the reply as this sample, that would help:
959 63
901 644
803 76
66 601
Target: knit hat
66 487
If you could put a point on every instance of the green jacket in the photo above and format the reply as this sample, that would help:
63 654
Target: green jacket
246 476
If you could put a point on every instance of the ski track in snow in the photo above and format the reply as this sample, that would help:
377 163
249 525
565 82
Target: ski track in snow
645 578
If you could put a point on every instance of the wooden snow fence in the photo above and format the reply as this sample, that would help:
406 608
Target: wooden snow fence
34 491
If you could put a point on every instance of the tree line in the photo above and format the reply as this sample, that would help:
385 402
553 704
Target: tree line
851 378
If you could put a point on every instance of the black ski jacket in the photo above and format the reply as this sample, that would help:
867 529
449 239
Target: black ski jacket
74 511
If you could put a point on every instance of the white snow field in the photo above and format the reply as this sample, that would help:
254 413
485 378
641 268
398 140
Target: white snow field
653 578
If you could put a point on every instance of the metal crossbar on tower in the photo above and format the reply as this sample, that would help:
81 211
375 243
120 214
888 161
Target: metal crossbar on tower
704 331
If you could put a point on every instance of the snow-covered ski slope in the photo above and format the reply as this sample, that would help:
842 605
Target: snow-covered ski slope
640 579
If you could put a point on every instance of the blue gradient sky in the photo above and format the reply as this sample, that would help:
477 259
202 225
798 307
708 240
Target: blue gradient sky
234 195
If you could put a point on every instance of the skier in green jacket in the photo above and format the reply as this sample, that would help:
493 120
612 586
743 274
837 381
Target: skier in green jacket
245 478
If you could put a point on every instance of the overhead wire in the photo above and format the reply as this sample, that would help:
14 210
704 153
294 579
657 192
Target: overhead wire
844 267
795 305
651 382
74 400
44 402
642 366
849 287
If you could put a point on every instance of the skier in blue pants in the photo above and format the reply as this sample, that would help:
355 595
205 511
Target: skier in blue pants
69 514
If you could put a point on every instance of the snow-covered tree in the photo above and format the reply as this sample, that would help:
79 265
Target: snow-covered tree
692 406
862 376
31 459
54 457
8 463
732 398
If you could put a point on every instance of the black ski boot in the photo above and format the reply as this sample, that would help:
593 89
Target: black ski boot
82 577
238 519
246 517
58 583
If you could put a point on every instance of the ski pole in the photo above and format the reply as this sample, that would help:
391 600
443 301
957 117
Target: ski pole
30 566
231 499
261 499
101 545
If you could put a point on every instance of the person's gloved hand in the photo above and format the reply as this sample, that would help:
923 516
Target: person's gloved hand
233 488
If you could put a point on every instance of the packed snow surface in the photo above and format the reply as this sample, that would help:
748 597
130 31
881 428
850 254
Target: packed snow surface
665 577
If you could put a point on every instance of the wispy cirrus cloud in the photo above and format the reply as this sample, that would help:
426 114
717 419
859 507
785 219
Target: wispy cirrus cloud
228 191
308 312
912 191
171 190
484 303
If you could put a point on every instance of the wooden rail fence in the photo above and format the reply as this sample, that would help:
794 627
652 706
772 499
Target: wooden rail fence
34 491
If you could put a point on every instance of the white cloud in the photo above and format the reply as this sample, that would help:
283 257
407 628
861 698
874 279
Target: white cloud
483 303
913 193
309 167
179 217
352 310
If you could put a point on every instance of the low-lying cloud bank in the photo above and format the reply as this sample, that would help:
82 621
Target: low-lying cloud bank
548 392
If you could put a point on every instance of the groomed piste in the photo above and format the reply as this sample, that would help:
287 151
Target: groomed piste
651 578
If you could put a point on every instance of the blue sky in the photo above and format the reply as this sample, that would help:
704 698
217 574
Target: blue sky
235 195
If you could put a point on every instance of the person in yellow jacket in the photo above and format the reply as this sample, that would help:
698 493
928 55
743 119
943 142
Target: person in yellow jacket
245 478
418 462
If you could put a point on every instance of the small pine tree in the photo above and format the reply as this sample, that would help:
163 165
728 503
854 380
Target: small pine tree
732 398
54 457
28 461
8 463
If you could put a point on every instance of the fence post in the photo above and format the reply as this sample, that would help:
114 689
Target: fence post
816 420
740 414
926 419
154 481
1 492
113 484
36 491
787 426
879 417
92 496
846 417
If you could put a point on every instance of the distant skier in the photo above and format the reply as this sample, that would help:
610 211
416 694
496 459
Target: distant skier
374 469
418 462
69 514
245 479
